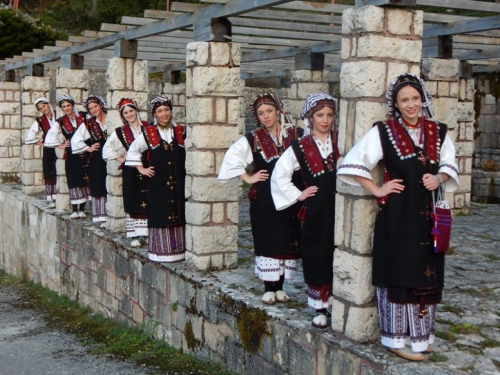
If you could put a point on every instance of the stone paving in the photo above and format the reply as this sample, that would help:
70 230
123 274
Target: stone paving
468 320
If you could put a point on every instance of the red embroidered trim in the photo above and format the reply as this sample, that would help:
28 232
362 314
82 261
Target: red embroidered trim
126 135
312 156
432 144
44 123
179 134
269 150
68 126
152 136
95 130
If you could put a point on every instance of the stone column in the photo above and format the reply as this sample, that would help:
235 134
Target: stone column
32 87
10 132
377 45
126 78
176 92
453 104
75 83
213 98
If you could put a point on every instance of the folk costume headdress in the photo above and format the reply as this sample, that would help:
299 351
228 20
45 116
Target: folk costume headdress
408 79
316 102
44 100
67 98
127 102
273 100
157 102
98 100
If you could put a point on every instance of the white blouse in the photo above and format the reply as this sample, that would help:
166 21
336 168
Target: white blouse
113 148
139 145
78 144
34 131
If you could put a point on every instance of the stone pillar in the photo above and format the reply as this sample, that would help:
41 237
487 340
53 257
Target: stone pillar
377 45
10 132
453 104
75 83
31 160
126 78
213 99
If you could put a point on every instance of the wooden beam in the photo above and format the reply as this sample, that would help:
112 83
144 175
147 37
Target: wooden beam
290 52
463 27
386 3
482 6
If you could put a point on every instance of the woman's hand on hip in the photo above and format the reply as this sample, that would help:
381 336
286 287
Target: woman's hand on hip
261 175
393 186
307 193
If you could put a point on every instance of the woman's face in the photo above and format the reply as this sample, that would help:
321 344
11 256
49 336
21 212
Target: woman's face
267 115
44 108
163 115
129 114
322 121
67 108
409 103
94 109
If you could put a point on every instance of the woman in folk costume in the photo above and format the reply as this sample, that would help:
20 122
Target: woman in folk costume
43 124
166 176
276 234
134 185
76 166
418 157
316 157
91 139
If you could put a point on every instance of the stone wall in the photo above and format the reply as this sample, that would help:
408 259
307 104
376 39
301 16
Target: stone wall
10 132
191 310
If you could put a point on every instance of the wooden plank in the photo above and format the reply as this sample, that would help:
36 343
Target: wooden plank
159 14
482 6
280 34
113 27
287 52
477 55
295 26
314 7
463 27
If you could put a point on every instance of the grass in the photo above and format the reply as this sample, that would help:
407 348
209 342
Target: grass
105 336
489 343
435 357
464 328
452 309
462 214
451 250
470 291
296 305
488 290
485 236
246 259
446 335
493 257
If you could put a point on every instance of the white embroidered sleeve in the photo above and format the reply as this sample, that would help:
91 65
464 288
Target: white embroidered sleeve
284 192
134 154
113 148
32 135
448 165
237 158
52 139
362 158
78 145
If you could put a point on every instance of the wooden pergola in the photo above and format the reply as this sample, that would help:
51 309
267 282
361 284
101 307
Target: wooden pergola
276 36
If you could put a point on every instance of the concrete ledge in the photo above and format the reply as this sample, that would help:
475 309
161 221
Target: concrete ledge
216 316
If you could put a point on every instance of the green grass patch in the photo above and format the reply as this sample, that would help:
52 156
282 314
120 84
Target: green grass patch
296 305
446 335
485 236
462 214
232 286
489 343
451 250
174 305
493 257
435 357
488 290
105 336
464 328
246 259
452 309
444 321
470 291
496 363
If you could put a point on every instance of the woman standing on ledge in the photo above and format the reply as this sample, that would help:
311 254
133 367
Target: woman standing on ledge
135 191
418 157
91 138
43 124
316 157
76 166
166 177
276 234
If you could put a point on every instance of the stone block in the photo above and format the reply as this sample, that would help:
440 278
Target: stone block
339 220
395 69
115 74
366 114
431 87
454 89
32 83
200 163
233 111
380 46
352 277
445 111
465 111
443 89
218 81
114 185
10 138
10 165
7 108
301 76
218 213
418 23
220 110
200 262
6 85
348 22
174 88
199 110
343 125
232 212
317 75
112 168
72 78
219 54
464 148
114 206
140 97
197 53
33 165
213 136
4 151
345 49
399 21
197 213
363 223
304 89
141 75
362 324
440 69
338 312
236 54
208 189
214 239
368 19
362 79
